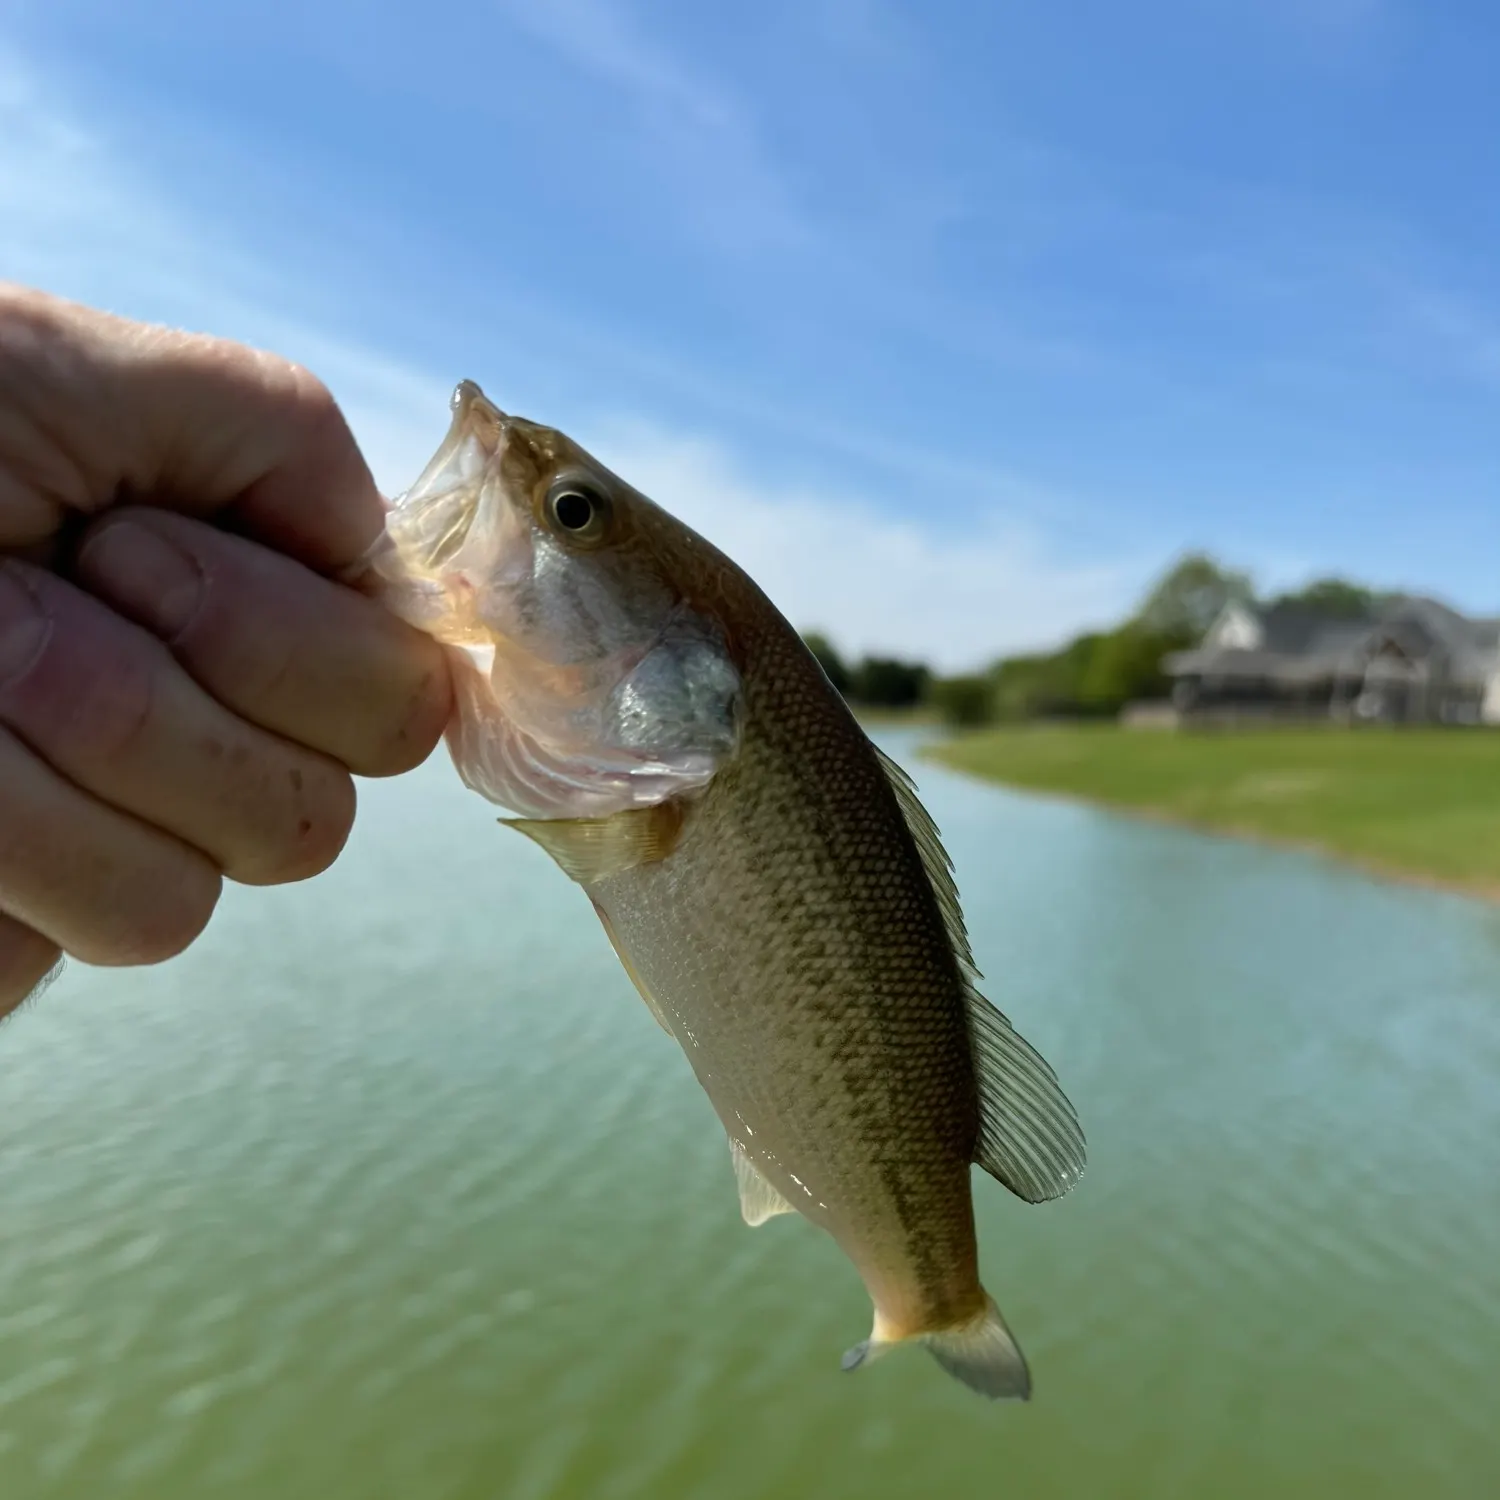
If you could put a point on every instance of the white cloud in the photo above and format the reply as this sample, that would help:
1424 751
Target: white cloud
79 219
956 593
1459 335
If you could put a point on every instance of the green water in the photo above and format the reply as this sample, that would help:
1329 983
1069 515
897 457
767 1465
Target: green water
391 1187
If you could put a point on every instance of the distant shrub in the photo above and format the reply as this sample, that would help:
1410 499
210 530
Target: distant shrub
883 682
964 702
1126 665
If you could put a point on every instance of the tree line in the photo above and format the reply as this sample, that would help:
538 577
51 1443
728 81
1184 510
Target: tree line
1097 672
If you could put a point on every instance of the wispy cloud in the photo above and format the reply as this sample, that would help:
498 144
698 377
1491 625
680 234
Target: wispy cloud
77 218
1336 17
690 122
80 220
871 30
957 590
1313 21
1454 333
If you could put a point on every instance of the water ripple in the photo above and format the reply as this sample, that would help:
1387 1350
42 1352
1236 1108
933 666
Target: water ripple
393 1187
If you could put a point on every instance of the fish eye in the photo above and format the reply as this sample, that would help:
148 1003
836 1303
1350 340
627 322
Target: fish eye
573 509
577 510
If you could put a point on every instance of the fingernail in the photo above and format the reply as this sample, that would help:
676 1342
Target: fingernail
152 579
23 626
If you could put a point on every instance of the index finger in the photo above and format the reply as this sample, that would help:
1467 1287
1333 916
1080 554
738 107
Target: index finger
96 407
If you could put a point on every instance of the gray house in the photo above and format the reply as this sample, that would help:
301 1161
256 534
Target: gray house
1412 660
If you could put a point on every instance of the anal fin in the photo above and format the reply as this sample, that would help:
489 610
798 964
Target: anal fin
759 1201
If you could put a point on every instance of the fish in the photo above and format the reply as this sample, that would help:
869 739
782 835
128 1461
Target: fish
767 876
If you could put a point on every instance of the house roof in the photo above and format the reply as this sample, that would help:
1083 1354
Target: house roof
1307 666
1293 628
1298 644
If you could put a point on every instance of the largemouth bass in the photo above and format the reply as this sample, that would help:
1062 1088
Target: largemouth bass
768 878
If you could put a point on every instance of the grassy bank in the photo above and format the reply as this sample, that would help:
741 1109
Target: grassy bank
1420 805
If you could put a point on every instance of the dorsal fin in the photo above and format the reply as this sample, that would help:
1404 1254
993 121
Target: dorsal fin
1029 1135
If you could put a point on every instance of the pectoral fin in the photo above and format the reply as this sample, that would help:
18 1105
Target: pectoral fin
588 849
759 1201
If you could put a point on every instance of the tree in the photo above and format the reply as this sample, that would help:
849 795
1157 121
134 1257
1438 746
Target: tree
828 658
1126 666
963 701
1026 687
884 682
1334 599
1190 597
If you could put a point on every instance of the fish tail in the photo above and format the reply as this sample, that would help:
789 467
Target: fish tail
984 1355
981 1352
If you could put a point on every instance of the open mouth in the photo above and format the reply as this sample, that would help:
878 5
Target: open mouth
430 522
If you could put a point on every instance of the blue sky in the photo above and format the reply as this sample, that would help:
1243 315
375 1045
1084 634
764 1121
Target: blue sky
952 321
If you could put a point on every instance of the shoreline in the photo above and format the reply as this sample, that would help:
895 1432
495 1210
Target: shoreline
1485 893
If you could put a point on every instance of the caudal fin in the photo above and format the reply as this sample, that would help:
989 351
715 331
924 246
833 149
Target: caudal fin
985 1356
981 1353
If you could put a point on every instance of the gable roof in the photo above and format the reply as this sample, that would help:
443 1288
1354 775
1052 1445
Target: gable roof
1299 643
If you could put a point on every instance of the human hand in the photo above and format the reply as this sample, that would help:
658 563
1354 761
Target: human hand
184 692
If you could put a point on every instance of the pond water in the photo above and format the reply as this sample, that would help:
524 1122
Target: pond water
391 1186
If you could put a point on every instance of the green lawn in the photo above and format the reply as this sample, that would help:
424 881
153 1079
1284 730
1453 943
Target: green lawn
1418 803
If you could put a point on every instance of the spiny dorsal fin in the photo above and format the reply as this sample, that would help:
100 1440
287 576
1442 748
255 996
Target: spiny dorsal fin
934 860
588 849
759 1201
1029 1135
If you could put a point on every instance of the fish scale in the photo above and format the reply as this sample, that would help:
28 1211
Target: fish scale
793 932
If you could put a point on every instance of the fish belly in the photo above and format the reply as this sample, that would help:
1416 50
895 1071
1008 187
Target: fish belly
854 1104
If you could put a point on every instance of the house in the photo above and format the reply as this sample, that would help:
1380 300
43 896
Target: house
1408 660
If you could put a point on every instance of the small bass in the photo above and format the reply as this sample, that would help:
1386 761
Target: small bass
768 878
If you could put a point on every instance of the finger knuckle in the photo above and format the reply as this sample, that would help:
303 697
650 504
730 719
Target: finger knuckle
95 706
28 315
420 722
322 820
174 919
267 666
113 710
43 362
90 691
306 399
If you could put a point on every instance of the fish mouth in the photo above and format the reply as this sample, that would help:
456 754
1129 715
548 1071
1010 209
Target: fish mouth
430 521
412 566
